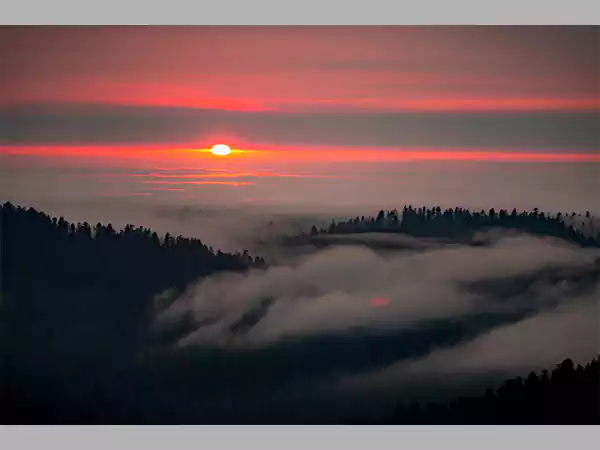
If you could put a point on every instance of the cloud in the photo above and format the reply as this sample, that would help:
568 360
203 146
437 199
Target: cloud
330 291
457 319
383 241
122 125
568 331
537 342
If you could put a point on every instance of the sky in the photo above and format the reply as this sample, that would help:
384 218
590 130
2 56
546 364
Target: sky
317 116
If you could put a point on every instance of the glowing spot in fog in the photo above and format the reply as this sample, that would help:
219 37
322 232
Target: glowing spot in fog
378 301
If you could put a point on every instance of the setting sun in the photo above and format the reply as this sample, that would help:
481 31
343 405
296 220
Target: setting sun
220 150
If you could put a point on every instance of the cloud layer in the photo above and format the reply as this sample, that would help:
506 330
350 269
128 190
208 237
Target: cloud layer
332 291
517 131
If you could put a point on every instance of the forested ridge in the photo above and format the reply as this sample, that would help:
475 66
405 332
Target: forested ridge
74 303
37 248
461 224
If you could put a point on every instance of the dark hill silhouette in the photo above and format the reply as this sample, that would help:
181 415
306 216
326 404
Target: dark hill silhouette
76 347
456 223
76 304
568 396
51 252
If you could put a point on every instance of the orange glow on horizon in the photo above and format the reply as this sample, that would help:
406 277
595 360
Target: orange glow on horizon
199 182
301 154
269 174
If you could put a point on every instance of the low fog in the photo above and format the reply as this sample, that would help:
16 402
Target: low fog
341 289
358 327
323 334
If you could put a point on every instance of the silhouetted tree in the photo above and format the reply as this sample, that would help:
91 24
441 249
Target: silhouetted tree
461 223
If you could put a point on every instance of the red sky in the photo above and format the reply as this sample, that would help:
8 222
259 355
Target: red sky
255 68
332 93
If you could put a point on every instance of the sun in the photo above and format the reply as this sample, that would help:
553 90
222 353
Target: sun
220 150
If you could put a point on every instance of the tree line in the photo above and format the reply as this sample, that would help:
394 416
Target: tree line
49 251
567 395
457 223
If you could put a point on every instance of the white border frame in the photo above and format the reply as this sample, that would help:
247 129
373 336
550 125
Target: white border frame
305 12
298 437
281 12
